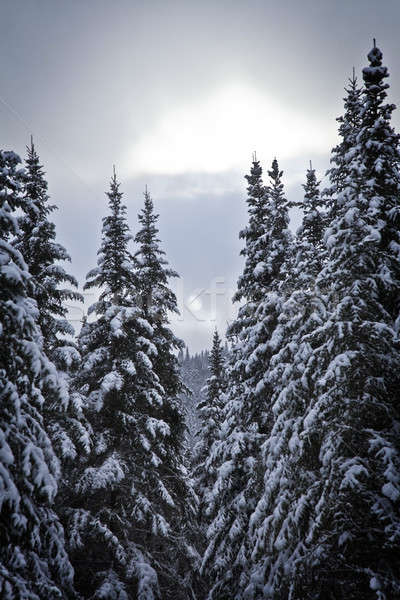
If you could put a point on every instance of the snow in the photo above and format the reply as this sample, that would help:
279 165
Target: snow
391 492
259 269
374 584
156 427
144 360
109 474
112 381
145 325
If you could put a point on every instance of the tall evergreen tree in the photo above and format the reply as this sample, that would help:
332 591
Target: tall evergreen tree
125 535
225 535
378 157
246 413
210 414
36 241
115 380
33 560
351 441
255 240
195 371
310 248
158 301
276 525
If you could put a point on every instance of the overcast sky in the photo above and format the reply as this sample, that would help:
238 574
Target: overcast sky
178 95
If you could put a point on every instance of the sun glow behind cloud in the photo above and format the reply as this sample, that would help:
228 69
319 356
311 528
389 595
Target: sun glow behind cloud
220 133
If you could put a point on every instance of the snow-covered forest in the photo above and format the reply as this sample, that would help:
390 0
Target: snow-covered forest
267 467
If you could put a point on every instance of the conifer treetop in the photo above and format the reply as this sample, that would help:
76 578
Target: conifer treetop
254 236
152 266
311 205
375 114
376 72
114 273
309 246
349 125
41 249
312 198
277 223
36 240
216 354
377 163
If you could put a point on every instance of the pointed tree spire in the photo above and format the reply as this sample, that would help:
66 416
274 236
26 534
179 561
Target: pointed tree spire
257 199
313 220
309 246
349 126
36 241
157 298
277 223
114 272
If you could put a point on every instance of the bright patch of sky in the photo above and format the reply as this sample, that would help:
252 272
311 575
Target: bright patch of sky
217 133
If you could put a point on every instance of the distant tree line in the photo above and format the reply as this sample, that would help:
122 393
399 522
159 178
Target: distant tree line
291 488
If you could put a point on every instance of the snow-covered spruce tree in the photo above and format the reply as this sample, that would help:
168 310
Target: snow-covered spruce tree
349 127
247 409
123 538
310 249
113 380
351 428
37 243
209 412
254 236
277 523
379 162
157 301
33 560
